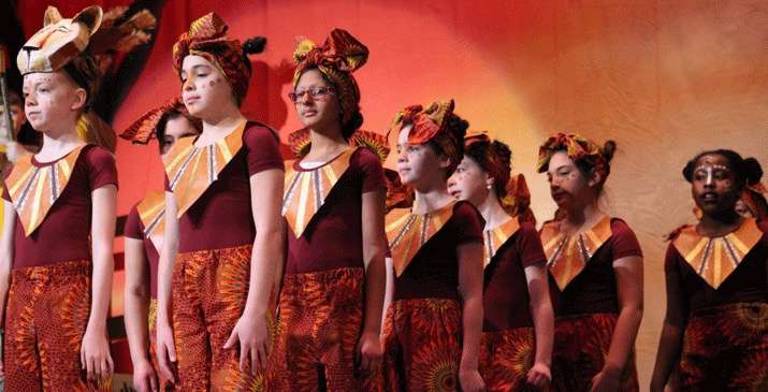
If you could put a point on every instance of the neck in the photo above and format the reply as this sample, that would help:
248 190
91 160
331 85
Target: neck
56 141
224 121
326 143
716 225
431 199
581 217
492 211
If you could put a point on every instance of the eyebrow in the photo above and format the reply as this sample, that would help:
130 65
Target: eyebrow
196 66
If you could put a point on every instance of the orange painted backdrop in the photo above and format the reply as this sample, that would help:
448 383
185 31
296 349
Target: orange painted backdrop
664 79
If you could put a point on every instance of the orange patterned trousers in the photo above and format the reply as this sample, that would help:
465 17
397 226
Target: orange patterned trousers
47 313
725 348
320 320
422 345
506 357
581 346
210 288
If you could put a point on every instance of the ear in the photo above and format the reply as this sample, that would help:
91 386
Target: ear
489 181
52 16
81 96
90 18
594 179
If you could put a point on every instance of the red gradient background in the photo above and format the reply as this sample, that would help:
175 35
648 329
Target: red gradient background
665 79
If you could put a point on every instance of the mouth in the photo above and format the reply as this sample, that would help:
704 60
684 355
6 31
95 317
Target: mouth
192 99
33 114
308 113
558 195
455 194
709 197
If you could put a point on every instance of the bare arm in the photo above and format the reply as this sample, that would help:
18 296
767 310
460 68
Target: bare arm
136 299
543 320
95 349
374 248
471 290
266 259
166 351
671 341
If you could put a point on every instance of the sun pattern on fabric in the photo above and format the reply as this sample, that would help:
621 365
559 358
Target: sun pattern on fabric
408 232
34 189
211 288
320 321
306 191
568 255
580 350
715 258
191 170
506 357
493 239
726 348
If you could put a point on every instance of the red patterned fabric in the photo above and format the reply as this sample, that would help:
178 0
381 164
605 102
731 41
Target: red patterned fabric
210 288
505 359
422 345
581 346
725 348
320 320
578 149
340 55
207 38
41 346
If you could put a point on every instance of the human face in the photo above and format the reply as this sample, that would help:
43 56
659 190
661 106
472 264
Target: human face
317 104
418 163
568 186
204 89
17 118
176 128
51 100
470 182
714 185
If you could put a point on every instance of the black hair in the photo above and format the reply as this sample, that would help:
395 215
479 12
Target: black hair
747 171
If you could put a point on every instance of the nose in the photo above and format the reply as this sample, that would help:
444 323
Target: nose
187 85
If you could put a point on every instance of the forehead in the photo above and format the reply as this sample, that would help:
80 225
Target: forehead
192 61
559 159
712 160
402 136
33 78
178 124
312 77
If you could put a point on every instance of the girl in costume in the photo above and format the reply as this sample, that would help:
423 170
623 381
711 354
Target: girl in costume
59 223
143 232
223 239
518 325
596 272
715 334
333 284
433 324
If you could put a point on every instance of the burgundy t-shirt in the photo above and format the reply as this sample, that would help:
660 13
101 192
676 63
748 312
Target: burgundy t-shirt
506 302
434 270
747 283
134 228
64 234
221 217
334 237
594 289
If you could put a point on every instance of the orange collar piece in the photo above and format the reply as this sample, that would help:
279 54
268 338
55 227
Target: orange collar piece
307 190
495 238
408 232
715 258
152 214
34 189
191 170
568 255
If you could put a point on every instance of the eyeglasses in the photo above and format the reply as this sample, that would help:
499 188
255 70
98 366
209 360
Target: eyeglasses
314 92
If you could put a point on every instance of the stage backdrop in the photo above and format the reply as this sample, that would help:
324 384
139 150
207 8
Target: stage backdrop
664 79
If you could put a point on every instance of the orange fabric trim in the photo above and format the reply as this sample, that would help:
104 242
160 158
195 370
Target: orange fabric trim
34 189
191 170
715 258
306 191
152 214
495 238
408 232
568 255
